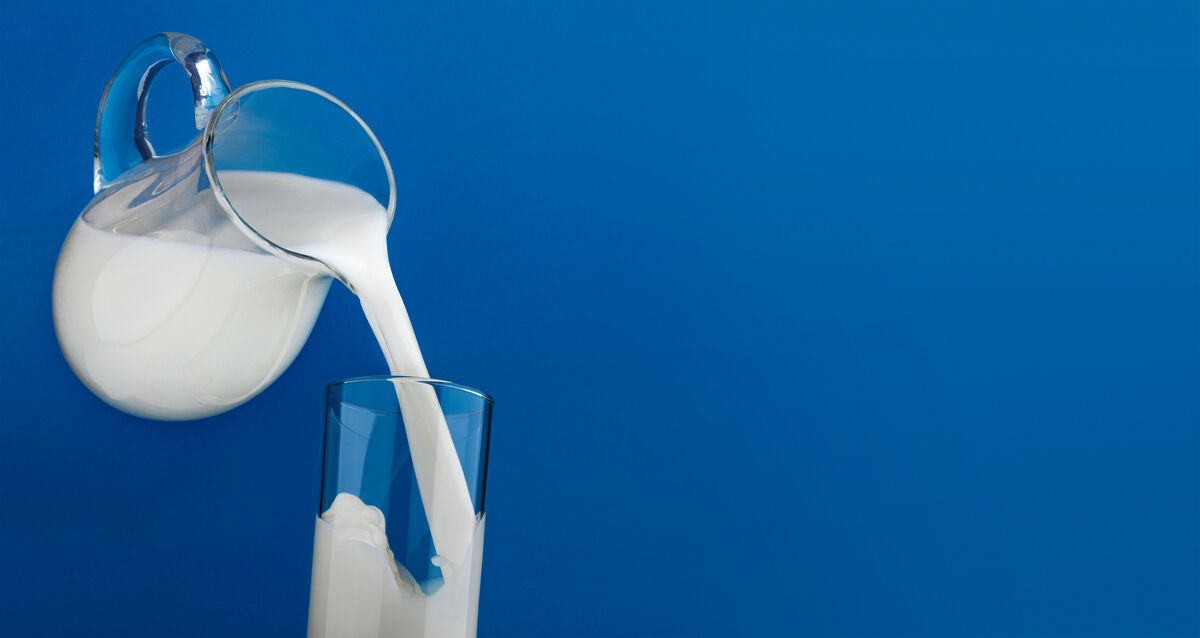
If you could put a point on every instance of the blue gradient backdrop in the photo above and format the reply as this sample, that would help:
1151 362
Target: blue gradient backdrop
803 318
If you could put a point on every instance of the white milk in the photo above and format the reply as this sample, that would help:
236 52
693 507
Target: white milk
179 329
358 589
177 326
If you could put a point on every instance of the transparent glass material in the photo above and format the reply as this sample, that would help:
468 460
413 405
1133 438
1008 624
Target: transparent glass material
356 590
168 304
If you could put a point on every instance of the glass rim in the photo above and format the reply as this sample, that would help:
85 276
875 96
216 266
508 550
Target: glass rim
210 166
489 402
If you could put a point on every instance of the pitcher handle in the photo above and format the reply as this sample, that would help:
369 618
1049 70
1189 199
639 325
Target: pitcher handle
121 141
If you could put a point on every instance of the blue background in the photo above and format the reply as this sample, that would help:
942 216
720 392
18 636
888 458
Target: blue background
812 318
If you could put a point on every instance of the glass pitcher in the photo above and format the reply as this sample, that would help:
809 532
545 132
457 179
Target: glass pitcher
168 303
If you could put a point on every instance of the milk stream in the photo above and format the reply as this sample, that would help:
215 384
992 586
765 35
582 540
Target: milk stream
176 326
346 228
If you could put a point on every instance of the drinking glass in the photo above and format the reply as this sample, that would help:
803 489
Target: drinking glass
394 583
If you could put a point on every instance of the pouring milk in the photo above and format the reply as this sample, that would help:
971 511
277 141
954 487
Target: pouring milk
204 311
346 228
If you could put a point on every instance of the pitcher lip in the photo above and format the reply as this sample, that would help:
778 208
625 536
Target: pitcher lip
210 168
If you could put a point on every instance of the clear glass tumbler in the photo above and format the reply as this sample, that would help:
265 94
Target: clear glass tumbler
376 568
